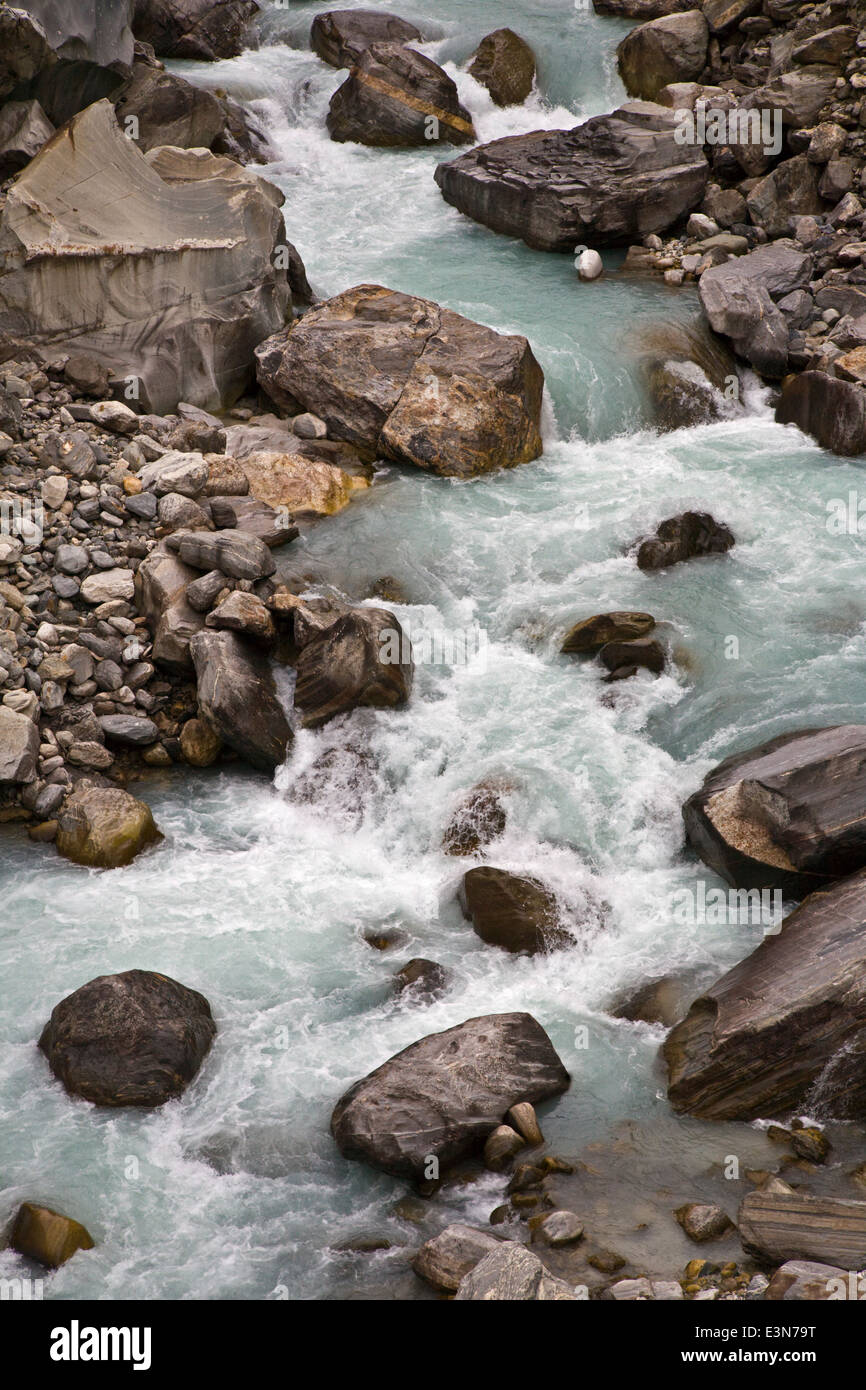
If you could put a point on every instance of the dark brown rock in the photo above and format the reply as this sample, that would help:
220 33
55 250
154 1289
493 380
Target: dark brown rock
47 1236
363 659
394 96
591 634
641 651
205 29
683 538
670 49
137 1038
832 411
421 978
504 64
518 914
238 698
339 37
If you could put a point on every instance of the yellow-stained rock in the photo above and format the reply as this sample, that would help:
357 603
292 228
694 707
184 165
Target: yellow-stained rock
104 827
300 484
48 1236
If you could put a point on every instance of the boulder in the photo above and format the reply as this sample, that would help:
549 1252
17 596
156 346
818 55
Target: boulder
479 818
246 614
394 96
137 1038
24 48
827 46
300 484
783 1226
173 471
442 1096
833 411
798 95
362 659
160 588
238 698
168 110
789 190
108 585
722 15
518 914
591 634
339 37
702 1221
738 299
670 49
613 179
663 1000
234 553
129 730
505 64
19 747
788 814
104 827
47 1236
200 744
513 1274
645 652
131 278
207 29
445 1259
423 979
683 538
24 129
804 1280
401 378
789 1017
92 31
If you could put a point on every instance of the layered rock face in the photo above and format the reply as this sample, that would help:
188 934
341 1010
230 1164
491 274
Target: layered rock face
612 179
394 96
789 814
787 1026
832 410
401 378
445 1094
132 1039
205 29
103 250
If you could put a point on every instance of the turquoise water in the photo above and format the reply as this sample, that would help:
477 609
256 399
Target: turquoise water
237 1191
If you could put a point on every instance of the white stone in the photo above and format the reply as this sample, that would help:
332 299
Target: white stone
108 584
589 265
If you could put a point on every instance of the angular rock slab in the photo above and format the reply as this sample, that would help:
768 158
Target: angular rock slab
395 97
832 411
739 299
237 696
161 266
404 379
782 1226
786 1028
513 1274
339 37
442 1096
362 659
789 814
615 178
137 1038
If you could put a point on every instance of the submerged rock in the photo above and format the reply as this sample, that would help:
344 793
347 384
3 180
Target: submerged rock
683 538
137 1038
789 1018
422 978
591 634
394 96
401 378
104 827
518 914
789 814
660 1001
441 1097
504 64
339 37
131 278
479 819
47 1236
238 698
361 659
615 178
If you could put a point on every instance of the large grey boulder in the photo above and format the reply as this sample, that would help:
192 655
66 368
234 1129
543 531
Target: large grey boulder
205 29
362 659
394 96
671 49
161 582
339 37
789 814
161 266
95 31
238 697
789 190
443 1260
615 178
19 747
401 378
832 411
790 1017
236 554
167 110
441 1097
512 1274
137 1038
783 1226
739 299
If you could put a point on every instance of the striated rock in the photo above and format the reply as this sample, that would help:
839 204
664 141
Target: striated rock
94 31
234 553
783 1226
237 696
361 659
246 614
518 914
394 96
19 747
131 279
683 538
442 1096
207 29
137 1038
513 1274
504 64
790 1017
831 410
445 1259
401 378
47 1236
104 827
804 1280
789 814
339 37
591 634
670 49
478 819
615 178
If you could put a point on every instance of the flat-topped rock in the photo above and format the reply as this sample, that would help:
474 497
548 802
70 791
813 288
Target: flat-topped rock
339 37
782 1226
615 178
